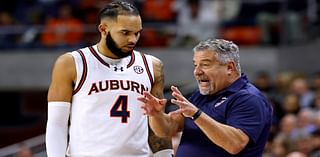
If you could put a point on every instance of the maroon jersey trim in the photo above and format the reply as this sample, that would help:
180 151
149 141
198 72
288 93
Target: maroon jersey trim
131 61
84 73
98 57
147 68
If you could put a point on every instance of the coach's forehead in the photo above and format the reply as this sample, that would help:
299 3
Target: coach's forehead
205 55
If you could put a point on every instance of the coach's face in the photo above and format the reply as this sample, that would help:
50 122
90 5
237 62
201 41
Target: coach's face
211 75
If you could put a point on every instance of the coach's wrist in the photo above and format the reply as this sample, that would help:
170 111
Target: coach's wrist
196 115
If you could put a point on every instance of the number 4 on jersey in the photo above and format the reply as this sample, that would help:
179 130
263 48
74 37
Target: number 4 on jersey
120 108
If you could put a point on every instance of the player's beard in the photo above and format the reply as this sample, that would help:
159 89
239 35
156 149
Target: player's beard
112 46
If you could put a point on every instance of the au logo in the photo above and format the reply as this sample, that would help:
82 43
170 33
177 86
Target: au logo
138 69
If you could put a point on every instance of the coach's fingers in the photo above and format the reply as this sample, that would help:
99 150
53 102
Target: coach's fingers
177 94
175 89
180 103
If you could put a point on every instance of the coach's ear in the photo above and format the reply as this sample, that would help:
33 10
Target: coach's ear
231 67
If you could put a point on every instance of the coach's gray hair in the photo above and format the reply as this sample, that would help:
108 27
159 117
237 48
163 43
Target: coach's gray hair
226 50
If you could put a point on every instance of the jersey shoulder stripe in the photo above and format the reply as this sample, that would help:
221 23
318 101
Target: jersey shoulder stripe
147 68
84 73
98 57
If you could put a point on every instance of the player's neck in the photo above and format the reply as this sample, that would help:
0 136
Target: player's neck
103 49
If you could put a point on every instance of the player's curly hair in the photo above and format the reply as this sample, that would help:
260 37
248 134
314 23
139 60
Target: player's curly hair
114 9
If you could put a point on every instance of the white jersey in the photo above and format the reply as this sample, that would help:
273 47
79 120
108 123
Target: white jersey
106 117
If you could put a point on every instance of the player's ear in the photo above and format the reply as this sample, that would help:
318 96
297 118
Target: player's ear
102 28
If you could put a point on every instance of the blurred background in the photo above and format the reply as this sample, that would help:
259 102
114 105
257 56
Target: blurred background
279 44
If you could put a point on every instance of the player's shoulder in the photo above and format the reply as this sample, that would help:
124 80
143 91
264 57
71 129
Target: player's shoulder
69 56
65 59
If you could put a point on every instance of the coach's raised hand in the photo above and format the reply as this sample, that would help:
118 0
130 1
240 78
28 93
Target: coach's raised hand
186 108
152 105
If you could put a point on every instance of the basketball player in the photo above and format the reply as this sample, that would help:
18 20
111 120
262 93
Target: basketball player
98 87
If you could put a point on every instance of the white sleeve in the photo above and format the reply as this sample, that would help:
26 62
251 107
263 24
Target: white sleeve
57 128
164 153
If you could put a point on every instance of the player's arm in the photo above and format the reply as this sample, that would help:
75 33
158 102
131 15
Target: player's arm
164 143
164 125
162 147
62 79
59 98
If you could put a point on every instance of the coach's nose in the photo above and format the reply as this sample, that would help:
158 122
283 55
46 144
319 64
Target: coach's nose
197 70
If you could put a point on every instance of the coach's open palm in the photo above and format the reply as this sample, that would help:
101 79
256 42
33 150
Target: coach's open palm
152 105
185 107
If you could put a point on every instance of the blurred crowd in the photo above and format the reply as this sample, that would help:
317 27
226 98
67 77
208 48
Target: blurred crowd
167 23
296 104
51 24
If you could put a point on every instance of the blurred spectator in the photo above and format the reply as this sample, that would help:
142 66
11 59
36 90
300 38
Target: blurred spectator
64 30
196 20
300 87
28 11
268 148
296 154
263 82
316 144
8 38
84 4
29 14
296 21
302 142
88 11
278 113
282 142
242 29
98 4
50 7
317 119
158 10
316 102
288 125
306 120
313 14
157 14
279 147
90 19
269 20
316 81
287 18
291 104
281 83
